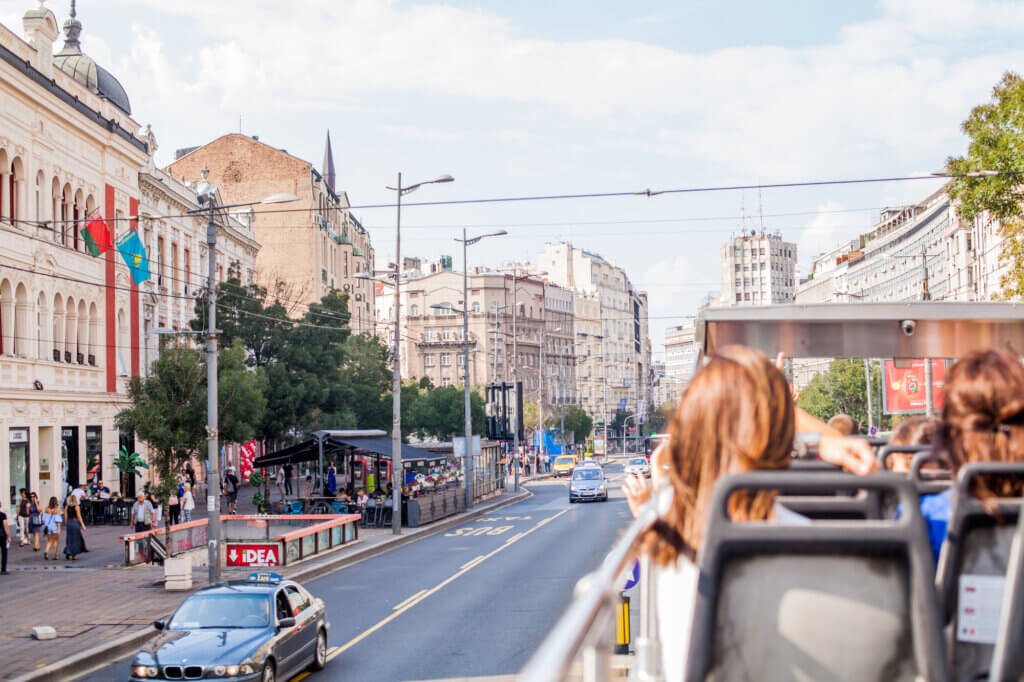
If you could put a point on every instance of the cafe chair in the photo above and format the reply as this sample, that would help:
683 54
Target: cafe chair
293 508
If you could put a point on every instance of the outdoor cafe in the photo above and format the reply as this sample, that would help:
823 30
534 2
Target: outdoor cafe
363 463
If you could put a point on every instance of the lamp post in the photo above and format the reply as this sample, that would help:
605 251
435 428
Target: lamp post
468 468
207 197
397 473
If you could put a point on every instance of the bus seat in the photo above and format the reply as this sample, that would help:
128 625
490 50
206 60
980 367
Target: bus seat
977 544
833 600
887 451
1008 657
826 503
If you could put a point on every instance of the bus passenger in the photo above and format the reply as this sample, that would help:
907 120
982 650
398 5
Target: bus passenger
982 421
914 431
844 424
737 415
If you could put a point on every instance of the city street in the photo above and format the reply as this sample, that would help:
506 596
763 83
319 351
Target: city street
473 601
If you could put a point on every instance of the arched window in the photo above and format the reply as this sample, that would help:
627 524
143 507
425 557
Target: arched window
76 216
6 318
95 333
66 199
414 310
70 330
17 182
58 228
5 185
82 338
57 337
42 327
22 335
39 196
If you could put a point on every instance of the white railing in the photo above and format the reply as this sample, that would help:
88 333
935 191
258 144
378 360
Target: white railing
585 632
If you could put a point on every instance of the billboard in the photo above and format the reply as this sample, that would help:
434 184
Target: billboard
903 389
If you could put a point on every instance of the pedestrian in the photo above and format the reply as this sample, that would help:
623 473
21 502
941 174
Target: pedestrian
74 542
230 488
23 518
5 541
190 474
279 479
157 509
142 514
332 480
309 486
52 518
35 520
188 503
174 507
288 473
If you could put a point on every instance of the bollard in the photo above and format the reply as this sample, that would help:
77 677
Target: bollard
622 625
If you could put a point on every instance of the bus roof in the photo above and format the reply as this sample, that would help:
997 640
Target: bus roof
923 329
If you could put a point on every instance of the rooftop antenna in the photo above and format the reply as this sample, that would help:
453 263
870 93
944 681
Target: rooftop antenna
743 212
760 207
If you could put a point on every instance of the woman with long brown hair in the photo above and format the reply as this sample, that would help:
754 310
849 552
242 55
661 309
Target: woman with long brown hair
982 421
736 415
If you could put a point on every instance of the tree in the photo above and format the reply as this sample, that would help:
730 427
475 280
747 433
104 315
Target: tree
168 409
578 423
996 133
242 314
840 390
657 419
440 413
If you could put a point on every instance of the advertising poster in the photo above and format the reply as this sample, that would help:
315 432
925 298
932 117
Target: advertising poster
904 389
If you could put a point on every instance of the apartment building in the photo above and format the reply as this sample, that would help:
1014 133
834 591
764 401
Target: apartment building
680 359
758 268
311 246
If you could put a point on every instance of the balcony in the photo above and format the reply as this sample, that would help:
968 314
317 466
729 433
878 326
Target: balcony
20 373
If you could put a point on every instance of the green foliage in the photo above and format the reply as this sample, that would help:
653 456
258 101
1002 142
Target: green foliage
255 480
168 409
129 463
657 419
842 390
257 499
996 133
440 413
578 423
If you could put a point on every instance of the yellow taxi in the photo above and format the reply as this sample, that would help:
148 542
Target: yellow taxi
563 465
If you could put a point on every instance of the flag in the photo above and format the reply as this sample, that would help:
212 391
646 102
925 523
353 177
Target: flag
96 235
246 457
134 255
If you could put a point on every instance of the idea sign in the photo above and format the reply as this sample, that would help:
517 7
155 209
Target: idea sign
254 555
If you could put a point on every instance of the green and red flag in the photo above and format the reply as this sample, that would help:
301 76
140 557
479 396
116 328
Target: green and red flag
96 235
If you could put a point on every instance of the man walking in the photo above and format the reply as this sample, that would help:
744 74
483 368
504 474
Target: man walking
288 473
142 514
230 489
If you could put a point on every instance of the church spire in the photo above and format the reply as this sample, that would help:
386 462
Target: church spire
72 30
328 168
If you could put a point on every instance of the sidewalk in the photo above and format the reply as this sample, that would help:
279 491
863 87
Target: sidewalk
94 602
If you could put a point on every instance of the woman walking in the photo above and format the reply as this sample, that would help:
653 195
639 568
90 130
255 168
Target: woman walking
173 508
35 520
74 544
157 509
52 518
188 503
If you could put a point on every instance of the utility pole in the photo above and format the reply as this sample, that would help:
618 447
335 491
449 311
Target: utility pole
515 393
469 464
397 472
929 397
604 379
867 377
212 459
540 372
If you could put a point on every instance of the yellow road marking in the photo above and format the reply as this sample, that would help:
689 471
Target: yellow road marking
301 676
426 593
406 601
473 562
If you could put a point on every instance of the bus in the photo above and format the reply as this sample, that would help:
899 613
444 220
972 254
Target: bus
652 442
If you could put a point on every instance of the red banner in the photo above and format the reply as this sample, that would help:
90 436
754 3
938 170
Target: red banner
904 389
262 555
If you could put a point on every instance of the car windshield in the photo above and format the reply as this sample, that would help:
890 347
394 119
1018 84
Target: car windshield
222 611
639 460
587 475
563 460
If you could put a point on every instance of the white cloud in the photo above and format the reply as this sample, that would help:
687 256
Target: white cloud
822 233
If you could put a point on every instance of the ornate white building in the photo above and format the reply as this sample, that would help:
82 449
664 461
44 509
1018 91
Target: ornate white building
69 323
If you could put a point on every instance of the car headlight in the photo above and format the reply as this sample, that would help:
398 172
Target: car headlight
232 670
245 669
144 671
219 671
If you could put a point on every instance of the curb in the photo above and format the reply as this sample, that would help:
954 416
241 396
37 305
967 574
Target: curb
91 657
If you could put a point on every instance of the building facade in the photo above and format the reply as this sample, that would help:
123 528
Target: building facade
680 359
622 360
69 322
758 269
311 246
432 331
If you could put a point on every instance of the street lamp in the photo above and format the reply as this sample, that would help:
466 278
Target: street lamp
397 473
468 464
207 196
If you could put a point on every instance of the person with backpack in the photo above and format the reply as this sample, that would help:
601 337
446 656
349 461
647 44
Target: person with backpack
52 519
230 489
35 520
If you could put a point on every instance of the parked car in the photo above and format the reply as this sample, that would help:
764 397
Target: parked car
563 465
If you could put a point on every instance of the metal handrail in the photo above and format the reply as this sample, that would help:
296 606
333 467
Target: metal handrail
584 625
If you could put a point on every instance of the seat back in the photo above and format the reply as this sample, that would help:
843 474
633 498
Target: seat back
1008 657
975 557
832 600
887 451
827 503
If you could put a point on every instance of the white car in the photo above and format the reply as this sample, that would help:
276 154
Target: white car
639 466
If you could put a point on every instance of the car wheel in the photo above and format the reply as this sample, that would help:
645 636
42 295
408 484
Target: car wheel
320 656
268 672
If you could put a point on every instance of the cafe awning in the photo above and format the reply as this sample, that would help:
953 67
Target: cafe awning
337 444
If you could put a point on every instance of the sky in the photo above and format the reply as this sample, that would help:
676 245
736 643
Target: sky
538 98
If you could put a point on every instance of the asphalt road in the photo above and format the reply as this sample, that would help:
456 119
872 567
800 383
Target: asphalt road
473 601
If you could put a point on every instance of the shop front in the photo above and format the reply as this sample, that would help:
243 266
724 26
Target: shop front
20 466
